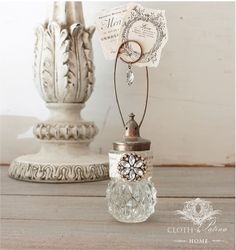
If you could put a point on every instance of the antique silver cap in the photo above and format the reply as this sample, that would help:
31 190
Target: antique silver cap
132 140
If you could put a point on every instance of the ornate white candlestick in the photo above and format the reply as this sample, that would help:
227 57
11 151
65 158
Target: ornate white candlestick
64 77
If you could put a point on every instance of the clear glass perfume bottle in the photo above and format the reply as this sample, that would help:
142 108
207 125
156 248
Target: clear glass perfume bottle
131 194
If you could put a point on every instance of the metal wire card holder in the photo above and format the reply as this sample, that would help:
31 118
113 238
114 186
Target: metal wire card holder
121 50
131 195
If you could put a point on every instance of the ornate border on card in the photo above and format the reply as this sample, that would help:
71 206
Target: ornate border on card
158 20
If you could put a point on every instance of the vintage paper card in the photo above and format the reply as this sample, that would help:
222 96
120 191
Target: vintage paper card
148 27
109 23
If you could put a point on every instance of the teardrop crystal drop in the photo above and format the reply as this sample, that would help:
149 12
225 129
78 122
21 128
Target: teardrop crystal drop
130 77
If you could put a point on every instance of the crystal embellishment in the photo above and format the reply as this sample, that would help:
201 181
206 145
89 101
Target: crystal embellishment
131 201
130 76
132 167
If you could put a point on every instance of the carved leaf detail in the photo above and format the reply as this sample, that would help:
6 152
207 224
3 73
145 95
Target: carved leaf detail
48 62
63 67
38 48
62 58
90 79
82 65
74 77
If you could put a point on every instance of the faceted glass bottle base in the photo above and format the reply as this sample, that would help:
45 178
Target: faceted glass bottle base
131 202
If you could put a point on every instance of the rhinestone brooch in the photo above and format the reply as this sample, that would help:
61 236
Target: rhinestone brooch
132 167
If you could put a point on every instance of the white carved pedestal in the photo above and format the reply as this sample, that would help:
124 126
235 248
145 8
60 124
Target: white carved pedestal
64 76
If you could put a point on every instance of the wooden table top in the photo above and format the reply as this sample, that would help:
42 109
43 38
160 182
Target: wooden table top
75 216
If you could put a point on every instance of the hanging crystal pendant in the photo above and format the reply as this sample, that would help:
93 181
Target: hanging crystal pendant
129 76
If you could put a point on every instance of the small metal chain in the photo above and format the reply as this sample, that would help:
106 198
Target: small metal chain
115 85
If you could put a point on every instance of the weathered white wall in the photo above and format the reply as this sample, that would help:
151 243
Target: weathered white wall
190 117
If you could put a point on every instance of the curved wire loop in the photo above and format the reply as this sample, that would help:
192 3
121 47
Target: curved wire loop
115 85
